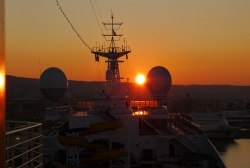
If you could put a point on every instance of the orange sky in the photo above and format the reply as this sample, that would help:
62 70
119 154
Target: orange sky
199 42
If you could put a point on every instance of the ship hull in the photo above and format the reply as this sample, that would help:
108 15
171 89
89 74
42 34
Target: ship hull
221 134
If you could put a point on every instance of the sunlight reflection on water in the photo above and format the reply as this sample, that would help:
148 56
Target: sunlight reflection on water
234 153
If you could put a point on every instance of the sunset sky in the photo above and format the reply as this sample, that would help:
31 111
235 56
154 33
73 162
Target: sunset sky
198 41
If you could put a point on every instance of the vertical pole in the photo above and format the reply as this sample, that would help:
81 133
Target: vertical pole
32 148
2 86
12 150
23 138
40 142
128 146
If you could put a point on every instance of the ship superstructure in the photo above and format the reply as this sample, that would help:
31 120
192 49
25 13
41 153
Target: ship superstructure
113 135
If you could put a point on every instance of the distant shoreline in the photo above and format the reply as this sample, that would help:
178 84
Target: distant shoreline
13 76
21 86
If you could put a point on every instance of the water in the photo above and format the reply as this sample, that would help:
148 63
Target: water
234 153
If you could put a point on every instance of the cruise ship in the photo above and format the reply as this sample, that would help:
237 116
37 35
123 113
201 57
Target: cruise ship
111 134
239 118
214 125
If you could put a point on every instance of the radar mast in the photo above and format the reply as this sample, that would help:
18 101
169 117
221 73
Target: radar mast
112 53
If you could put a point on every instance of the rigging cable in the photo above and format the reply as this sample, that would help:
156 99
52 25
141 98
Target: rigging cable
99 74
72 25
98 11
95 15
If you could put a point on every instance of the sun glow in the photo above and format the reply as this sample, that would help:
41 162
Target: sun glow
1 80
140 79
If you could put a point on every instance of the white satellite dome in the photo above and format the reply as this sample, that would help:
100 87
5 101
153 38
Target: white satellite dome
53 83
159 81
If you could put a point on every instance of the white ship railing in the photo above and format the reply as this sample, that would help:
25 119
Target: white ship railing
24 144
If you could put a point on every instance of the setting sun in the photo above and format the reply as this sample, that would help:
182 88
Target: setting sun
140 79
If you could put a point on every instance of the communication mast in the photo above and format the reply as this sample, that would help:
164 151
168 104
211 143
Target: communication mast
112 53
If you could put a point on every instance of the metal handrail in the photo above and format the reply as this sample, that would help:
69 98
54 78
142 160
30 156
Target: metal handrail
31 160
7 148
22 129
111 49
24 153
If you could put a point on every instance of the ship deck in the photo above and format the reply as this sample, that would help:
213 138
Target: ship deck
175 124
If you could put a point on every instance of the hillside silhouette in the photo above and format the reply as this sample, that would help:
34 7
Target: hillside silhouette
27 88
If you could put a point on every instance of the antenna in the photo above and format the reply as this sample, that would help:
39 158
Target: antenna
112 53
40 68
71 71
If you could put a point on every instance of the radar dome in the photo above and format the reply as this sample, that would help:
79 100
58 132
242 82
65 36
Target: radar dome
159 81
53 83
